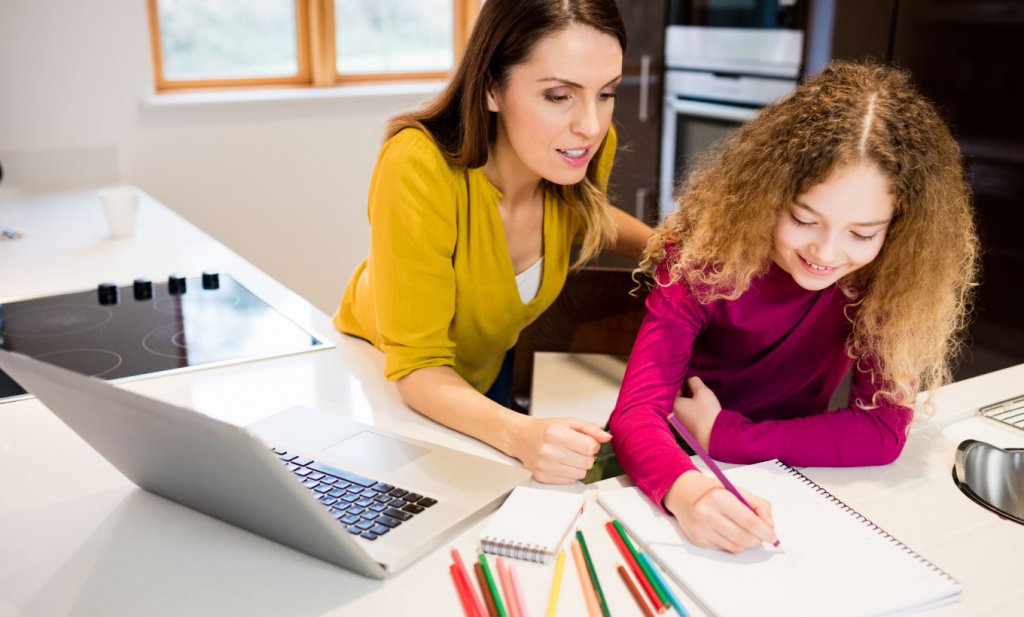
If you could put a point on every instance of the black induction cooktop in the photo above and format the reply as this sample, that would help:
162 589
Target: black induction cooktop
116 332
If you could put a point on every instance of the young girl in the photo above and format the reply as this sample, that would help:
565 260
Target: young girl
834 230
474 205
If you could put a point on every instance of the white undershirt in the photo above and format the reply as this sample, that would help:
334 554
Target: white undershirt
528 281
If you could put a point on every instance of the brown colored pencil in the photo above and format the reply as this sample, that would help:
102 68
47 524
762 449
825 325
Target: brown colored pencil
636 592
485 589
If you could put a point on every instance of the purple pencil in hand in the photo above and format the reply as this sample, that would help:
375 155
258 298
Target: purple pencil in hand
688 437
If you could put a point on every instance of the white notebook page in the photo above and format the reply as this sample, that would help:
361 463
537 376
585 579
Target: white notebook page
835 562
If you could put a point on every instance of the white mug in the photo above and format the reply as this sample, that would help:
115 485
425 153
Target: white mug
121 204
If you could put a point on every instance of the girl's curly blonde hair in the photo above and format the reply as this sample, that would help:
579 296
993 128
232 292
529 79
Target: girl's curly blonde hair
908 307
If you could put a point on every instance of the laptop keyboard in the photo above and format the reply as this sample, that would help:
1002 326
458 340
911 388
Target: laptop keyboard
365 507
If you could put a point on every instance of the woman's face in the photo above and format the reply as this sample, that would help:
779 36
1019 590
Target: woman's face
555 109
835 227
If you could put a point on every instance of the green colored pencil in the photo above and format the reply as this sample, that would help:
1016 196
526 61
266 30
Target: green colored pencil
643 565
593 574
493 587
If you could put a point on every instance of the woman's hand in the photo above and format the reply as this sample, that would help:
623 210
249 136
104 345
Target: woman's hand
712 517
698 411
557 450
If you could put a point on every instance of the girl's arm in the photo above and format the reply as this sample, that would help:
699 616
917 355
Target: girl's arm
707 513
554 450
848 437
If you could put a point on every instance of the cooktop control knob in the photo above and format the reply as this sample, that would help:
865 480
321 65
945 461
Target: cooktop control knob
143 289
108 293
211 280
176 285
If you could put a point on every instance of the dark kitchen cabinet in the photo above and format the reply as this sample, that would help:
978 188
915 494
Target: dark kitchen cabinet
966 55
634 181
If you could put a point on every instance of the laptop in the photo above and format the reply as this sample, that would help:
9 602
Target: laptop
351 494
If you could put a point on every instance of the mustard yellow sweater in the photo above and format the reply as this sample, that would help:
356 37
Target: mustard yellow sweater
438 288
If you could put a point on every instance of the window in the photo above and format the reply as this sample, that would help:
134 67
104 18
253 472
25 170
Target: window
225 43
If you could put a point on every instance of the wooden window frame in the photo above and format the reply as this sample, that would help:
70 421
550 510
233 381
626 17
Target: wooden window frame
316 51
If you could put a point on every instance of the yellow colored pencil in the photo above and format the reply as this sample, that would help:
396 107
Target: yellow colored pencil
556 583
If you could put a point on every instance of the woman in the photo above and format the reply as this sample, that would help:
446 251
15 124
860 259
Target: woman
833 230
474 205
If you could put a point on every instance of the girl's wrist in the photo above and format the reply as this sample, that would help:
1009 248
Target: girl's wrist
682 491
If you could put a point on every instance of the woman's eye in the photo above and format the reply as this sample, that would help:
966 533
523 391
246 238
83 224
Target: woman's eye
605 96
556 98
863 238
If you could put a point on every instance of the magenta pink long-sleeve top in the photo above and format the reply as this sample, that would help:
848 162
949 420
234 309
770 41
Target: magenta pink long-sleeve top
773 357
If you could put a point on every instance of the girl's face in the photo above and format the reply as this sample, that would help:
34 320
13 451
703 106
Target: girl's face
834 228
555 109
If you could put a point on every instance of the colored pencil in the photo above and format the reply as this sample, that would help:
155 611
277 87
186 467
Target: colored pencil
671 596
643 566
467 604
506 586
589 598
485 591
688 437
492 586
634 591
517 589
460 569
593 574
556 583
618 537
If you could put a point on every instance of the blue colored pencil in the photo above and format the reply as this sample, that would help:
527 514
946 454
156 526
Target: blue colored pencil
672 599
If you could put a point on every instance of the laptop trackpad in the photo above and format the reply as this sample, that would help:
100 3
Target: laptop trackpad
368 449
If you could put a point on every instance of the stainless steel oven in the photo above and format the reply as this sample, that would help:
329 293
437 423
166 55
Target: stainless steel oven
754 14
724 60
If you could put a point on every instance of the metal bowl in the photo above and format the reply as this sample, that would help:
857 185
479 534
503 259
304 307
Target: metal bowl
993 477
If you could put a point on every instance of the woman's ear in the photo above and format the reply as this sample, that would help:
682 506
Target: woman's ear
492 99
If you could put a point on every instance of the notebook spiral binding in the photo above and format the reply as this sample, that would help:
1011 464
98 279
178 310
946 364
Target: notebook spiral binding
515 550
863 519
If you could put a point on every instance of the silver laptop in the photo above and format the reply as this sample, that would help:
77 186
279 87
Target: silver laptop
350 494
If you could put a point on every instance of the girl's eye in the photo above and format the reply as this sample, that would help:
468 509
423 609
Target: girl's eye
863 238
800 223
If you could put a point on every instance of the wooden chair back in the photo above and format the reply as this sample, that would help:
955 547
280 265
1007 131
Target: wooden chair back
596 312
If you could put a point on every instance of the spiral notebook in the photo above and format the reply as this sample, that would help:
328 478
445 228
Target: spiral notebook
532 524
836 561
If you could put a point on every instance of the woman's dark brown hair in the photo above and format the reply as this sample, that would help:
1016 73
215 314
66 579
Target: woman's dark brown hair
505 35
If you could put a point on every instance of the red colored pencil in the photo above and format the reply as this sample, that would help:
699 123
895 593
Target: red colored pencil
460 571
467 604
635 567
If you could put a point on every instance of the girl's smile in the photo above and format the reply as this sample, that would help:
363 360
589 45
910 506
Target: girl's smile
835 228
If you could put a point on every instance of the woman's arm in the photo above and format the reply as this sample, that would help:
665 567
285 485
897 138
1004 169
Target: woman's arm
632 234
554 450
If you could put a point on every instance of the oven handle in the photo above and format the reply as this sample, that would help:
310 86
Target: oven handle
716 111
645 86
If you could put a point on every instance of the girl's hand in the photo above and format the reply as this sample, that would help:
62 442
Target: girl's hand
711 517
557 450
698 411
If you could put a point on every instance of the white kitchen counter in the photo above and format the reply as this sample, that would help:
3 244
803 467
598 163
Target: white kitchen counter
77 538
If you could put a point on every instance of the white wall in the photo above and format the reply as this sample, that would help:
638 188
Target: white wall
283 183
